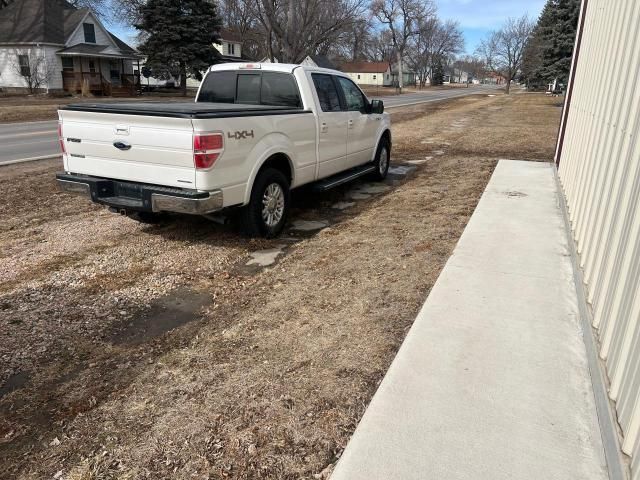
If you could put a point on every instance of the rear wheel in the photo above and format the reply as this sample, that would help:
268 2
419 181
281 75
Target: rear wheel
268 209
382 160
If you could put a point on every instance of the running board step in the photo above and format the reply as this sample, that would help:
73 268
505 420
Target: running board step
343 177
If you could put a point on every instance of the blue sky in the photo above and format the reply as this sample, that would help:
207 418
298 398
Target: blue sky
476 17
479 17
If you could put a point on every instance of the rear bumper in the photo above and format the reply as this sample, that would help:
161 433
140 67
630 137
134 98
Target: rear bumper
141 197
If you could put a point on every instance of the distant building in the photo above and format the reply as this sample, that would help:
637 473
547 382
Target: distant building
409 77
67 48
369 73
230 49
230 44
456 75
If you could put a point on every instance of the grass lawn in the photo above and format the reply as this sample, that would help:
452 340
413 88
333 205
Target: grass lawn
146 352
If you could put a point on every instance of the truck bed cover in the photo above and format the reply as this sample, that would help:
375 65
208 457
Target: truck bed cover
198 110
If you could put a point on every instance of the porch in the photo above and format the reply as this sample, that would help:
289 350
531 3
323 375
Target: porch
124 85
103 75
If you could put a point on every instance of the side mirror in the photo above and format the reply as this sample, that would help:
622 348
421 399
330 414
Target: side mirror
377 106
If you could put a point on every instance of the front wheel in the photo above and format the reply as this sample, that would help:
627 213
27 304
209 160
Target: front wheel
268 209
382 160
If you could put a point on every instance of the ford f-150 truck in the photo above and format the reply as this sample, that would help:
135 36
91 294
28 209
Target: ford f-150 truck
254 132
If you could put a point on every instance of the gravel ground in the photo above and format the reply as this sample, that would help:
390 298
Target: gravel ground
132 351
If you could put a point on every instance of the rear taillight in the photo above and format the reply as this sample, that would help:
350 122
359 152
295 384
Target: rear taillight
61 138
207 147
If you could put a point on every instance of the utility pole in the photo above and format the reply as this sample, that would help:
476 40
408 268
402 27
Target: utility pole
399 56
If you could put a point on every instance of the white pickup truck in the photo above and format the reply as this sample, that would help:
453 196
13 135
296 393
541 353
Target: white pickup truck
254 132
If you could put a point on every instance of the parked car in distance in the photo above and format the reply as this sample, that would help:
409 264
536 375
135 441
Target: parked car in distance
254 132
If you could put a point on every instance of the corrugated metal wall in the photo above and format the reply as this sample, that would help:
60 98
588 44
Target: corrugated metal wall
600 173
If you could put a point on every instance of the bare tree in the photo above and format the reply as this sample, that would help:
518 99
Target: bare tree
296 28
380 47
33 67
503 50
401 18
435 42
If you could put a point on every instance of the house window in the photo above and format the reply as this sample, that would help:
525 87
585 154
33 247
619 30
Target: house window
92 66
374 77
23 62
232 49
67 64
89 32
358 77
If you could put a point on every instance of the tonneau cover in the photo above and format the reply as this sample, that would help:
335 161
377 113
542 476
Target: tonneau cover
184 110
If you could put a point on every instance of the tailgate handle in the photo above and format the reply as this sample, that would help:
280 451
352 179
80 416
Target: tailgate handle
121 145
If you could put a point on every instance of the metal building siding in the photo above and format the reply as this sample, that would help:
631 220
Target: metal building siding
600 175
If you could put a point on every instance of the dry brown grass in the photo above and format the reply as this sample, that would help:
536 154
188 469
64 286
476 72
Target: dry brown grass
31 108
271 381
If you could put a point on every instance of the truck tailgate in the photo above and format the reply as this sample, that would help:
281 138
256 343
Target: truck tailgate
156 150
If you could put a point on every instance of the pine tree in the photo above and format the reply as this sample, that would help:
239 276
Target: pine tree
179 37
533 63
557 55
437 72
550 48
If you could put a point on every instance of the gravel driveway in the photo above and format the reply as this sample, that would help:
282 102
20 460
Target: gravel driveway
173 351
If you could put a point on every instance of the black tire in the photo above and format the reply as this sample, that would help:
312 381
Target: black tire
149 218
382 167
251 219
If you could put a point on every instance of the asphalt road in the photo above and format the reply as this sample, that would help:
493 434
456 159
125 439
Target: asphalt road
433 95
21 142
28 141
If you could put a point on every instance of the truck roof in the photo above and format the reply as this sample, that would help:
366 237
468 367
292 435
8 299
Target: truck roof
269 67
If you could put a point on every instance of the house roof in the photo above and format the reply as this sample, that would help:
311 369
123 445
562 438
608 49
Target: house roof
230 36
322 61
85 48
45 21
365 67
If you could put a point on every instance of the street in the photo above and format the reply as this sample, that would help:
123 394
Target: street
27 141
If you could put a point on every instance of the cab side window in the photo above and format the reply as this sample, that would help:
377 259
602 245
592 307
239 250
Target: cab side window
356 102
327 93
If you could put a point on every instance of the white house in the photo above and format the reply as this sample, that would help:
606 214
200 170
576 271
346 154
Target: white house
230 44
57 47
409 77
369 73
230 48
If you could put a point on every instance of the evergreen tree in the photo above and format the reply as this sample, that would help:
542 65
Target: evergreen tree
549 51
437 73
179 37
532 62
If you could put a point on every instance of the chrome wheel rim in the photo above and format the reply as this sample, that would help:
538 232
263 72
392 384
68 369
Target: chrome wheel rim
384 160
272 205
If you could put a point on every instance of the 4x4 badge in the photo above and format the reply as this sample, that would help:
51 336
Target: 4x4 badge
240 135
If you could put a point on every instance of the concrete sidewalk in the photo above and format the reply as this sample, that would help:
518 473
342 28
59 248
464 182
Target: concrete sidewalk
492 381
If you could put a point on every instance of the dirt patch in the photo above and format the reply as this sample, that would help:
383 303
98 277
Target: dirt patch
178 308
263 373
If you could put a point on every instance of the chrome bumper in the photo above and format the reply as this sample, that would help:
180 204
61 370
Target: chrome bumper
142 197
193 206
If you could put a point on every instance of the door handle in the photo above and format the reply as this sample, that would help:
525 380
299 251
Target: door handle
324 128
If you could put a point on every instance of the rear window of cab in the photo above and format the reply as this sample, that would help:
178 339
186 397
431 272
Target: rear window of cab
251 88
